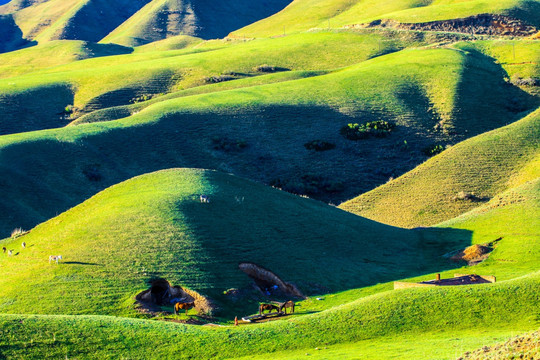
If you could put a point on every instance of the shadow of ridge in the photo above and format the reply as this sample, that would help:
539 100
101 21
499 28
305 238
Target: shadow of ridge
343 252
11 36
501 101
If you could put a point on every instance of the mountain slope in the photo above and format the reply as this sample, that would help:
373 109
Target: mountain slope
89 20
93 20
302 15
480 167
275 121
161 19
154 226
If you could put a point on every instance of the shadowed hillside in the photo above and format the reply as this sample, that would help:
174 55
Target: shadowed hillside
147 20
459 179
156 227
273 121
161 19
72 19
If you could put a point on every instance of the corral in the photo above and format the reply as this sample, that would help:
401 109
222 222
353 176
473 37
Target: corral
458 279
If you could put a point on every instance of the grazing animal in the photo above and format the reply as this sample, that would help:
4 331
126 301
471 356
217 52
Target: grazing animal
10 252
23 245
268 307
55 258
204 199
4 249
183 306
287 304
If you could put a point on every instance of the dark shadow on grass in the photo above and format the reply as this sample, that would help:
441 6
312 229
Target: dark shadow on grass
81 263
52 168
305 242
483 78
11 36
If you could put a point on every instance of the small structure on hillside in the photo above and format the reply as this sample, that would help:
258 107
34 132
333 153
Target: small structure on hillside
458 279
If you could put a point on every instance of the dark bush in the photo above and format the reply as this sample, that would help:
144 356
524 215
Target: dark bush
218 79
308 184
433 150
141 98
92 172
226 144
319 145
378 128
526 82
269 69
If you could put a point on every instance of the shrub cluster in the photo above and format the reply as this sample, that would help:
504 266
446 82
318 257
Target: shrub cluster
226 144
433 150
308 184
378 128
319 145
526 82
269 69
218 79
92 172
141 98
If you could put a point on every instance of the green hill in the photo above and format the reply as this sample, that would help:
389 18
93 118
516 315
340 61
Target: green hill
457 180
410 324
154 226
54 53
303 15
71 19
161 19
130 22
289 114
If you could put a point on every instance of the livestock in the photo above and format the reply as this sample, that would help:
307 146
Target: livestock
288 304
55 258
4 249
269 307
204 198
183 306
10 252
23 245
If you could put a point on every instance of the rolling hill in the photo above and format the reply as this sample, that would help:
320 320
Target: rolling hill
129 22
161 19
378 325
302 15
421 115
457 180
291 113
154 226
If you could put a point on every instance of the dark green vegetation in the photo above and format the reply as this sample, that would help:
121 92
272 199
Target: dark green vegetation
400 107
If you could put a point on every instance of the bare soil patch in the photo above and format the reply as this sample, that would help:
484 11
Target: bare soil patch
525 347
162 293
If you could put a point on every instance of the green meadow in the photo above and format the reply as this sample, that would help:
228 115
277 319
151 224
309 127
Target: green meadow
338 158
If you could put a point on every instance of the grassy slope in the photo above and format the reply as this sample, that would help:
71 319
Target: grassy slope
380 326
155 226
116 80
54 53
485 165
281 111
161 19
305 14
74 19
440 314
